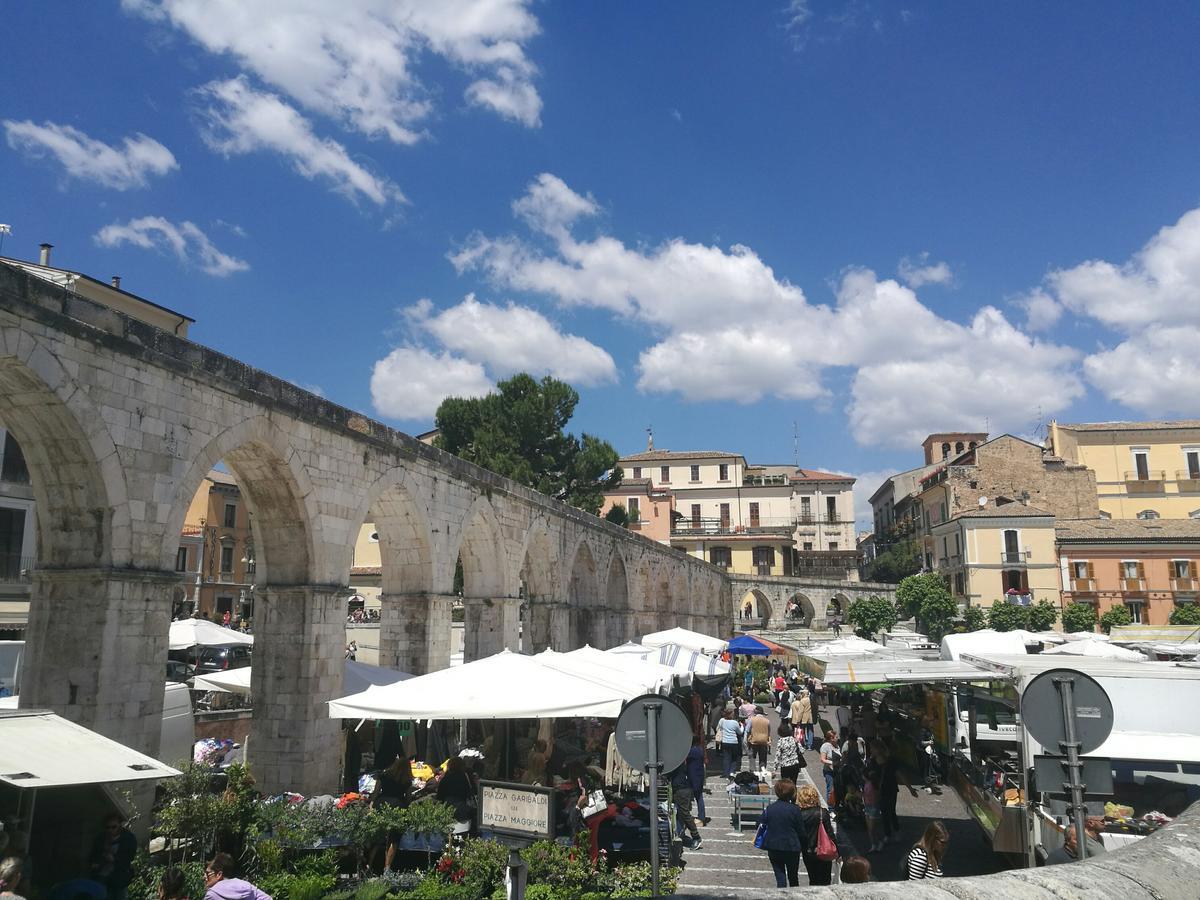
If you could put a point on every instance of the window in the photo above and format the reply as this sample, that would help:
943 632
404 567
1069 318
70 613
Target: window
833 545
1193 464
945 450
637 471
1129 569
764 558
1079 569
971 446
725 515
231 515
695 473
723 472
696 515
1141 464
958 448
225 605
181 560
808 546
806 509
634 508
721 556
957 544
1015 580
12 467
227 559
753 515
1012 552
1147 514
664 474
1135 610
1181 568
958 584
831 509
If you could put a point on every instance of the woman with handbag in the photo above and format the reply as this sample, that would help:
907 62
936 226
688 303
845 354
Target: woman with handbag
787 752
819 850
729 738
781 833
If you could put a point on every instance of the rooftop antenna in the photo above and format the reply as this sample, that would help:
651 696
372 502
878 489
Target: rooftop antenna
796 443
649 438
4 229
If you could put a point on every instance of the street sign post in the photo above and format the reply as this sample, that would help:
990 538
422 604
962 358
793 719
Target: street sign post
1069 710
518 815
653 734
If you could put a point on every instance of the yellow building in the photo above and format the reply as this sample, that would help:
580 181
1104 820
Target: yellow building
217 546
366 571
995 551
1144 470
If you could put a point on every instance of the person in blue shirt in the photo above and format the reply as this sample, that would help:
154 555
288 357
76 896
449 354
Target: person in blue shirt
786 835
695 772
729 738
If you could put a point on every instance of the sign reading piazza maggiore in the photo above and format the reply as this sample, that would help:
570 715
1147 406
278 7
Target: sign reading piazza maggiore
516 810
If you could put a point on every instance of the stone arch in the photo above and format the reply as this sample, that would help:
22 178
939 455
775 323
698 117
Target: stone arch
760 606
481 548
583 597
616 596
838 605
405 545
278 490
803 612
539 587
76 473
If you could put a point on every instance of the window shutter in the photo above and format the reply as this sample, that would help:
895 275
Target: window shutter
1192 569
1141 570
1091 570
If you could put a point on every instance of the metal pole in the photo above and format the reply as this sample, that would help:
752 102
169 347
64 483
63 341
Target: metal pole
653 765
1066 689
515 876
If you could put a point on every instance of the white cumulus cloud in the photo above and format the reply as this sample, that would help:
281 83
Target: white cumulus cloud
411 382
729 328
186 241
1156 372
239 119
513 338
920 271
128 165
358 61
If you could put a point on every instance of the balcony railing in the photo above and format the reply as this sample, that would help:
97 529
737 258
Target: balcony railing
764 480
1133 584
16 569
1014 556
827 519
762 525
1187 480
1185 585
1083 585
1151 482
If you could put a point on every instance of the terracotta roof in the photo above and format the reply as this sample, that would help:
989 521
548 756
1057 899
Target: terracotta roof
816 475
665 455
1131 426
1007 511
1125 530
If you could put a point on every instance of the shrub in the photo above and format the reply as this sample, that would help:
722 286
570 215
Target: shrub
871 615
1118 615
146 878
1078 617
1042 616
1187 614
974 618
1005 616
762 699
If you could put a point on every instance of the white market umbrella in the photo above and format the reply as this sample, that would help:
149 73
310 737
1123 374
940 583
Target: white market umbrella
188 633
1084 636
659 674
692 640
1095 649
504 686
680 659
358 677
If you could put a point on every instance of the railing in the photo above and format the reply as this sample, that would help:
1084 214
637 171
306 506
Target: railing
1153 481
1184 584
686 526
1083 585
16 569
1014 556
827 519
763 568
1188 480
764 480
1133 584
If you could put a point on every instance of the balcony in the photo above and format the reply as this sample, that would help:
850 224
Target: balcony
16 569
684 527
1185 585
1019 557
1188 481
764 480
1083 585
1133 585
1150 482
811 519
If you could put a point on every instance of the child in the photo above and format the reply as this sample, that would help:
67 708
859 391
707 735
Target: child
870 797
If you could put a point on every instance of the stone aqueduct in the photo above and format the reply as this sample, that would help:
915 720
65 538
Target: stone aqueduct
119 423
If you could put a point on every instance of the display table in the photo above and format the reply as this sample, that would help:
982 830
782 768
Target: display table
741 802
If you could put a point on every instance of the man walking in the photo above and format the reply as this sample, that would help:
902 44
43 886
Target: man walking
758 737
681 789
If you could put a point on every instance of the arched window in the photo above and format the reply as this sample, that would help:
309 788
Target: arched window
945 450
971 446
958 448
1147 514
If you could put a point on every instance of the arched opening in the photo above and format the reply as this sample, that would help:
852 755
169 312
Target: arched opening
538 591
958 448
754 606
583 596
617 605
491 619
837 608
800 610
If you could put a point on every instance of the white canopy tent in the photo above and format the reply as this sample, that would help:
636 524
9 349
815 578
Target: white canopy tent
634 679
358 677
660 676
504 686
1097 649
982 643
692 640
679 659
188 633
39 749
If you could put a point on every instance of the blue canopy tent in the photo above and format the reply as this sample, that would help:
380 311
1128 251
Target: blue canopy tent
747 645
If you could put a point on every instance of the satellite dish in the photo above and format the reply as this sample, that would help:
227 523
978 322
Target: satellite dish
983 501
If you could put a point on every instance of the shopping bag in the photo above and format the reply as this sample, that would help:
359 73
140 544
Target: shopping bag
760 836
596 803
826 848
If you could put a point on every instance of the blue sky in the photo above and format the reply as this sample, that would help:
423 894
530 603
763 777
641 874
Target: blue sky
741 223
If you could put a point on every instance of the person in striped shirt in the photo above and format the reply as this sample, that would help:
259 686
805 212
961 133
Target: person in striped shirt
925 858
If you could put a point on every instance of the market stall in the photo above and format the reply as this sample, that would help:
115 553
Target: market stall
682 637
188 633
748 645
358 677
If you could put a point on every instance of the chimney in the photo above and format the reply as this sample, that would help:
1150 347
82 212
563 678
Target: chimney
44 258
116 282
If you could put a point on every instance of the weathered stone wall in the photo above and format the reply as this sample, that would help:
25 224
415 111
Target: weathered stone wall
1008 466
818 598
120 422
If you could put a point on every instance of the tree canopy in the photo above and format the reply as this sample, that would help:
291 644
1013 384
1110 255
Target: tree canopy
1187 614
1117 615
927 598
871 615
1042 615
518 432
895 563
1005 616
1079 617
974 618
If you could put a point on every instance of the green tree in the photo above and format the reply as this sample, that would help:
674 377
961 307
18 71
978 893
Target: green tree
871 615
618 515
518 432
1005 616
1079 617
1118 615
928 599
894 564
1187 614
1042 616
974 618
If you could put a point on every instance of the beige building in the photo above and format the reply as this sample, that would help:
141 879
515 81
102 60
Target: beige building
217 545
754 519
998 551
649 507
1143 470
